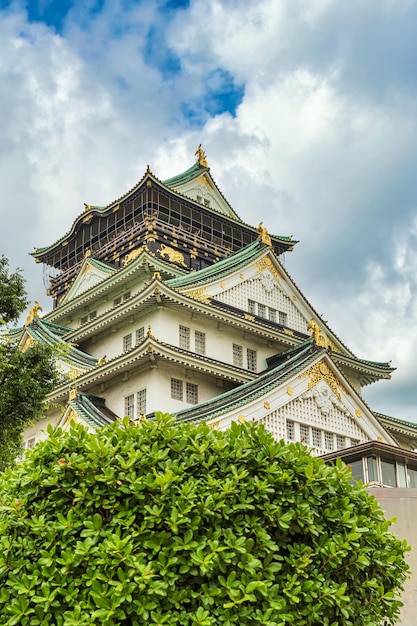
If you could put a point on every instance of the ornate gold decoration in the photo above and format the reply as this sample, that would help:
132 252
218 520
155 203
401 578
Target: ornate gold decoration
116 208
174 256
242 276
72 417
142 417
379 438
222 285
267 405
266 264
358 413
321 371
132 256
102 360
200 295
249 317
201 156
34 312
290 391
263 234
317 334
149 332
214 425
156 276
73 394
149 183
29 341
294 297
242 419
287 331
149 349
87 254
87 207
202 180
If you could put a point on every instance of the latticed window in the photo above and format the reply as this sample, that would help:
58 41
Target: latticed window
140 335
282 318
127 342
316 437
237 355
130 405
251 357
141 402
340 442
200 342
272 315
184 337
262 310
176 389
304 433
117 300
328 440
192 393
252 307
290 430
354 442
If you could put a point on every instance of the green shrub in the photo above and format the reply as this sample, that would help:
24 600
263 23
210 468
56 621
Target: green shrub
168 524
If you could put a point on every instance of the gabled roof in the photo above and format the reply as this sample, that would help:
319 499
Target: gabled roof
92 272
52 335
300 370
89 409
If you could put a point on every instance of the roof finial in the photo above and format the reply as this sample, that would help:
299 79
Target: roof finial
201 156
34 312
263 234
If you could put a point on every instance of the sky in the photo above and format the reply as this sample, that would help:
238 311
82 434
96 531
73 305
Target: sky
307 112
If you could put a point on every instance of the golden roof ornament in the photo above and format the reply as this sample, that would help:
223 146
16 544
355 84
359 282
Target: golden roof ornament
263 234
201 156
34 312
317 334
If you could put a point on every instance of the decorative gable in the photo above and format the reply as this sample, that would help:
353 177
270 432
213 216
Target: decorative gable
91 273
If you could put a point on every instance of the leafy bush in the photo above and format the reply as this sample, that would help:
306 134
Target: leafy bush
163 524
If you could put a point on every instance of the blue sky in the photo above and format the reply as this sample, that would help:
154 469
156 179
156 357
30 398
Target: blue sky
307 111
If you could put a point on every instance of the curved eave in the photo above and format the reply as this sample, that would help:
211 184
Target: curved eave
399 427
67 353
366 371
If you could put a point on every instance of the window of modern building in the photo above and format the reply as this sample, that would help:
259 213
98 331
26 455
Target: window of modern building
192 393
176 389
130 405
127 342
356 467
251 359
200 342
411 477
372 469
140 335
237 355
184 337
389 478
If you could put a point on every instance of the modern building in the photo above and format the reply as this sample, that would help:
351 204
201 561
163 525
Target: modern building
165 300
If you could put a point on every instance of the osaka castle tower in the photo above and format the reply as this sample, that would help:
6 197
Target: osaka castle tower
165 300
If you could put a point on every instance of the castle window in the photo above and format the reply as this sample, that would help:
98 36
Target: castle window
176 389
328 440
316 437
340 442
272 315
206 202
184 337
262 310
199 199
29 443
252 307
251 359
127 342
130 405
126 295
141 402
192 393
84 319
140 335
290 430
117 301
200 342
282 318
304 434
237 355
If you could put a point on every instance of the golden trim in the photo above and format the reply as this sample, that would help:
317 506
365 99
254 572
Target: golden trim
249 317
267 405
174 256
266 264
321 371
290 391
214 425
200 295
116 208
202 180
33 313
222 285
358 413
242 276
73 394
317 334
241 419
263 235
287 331
201 156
